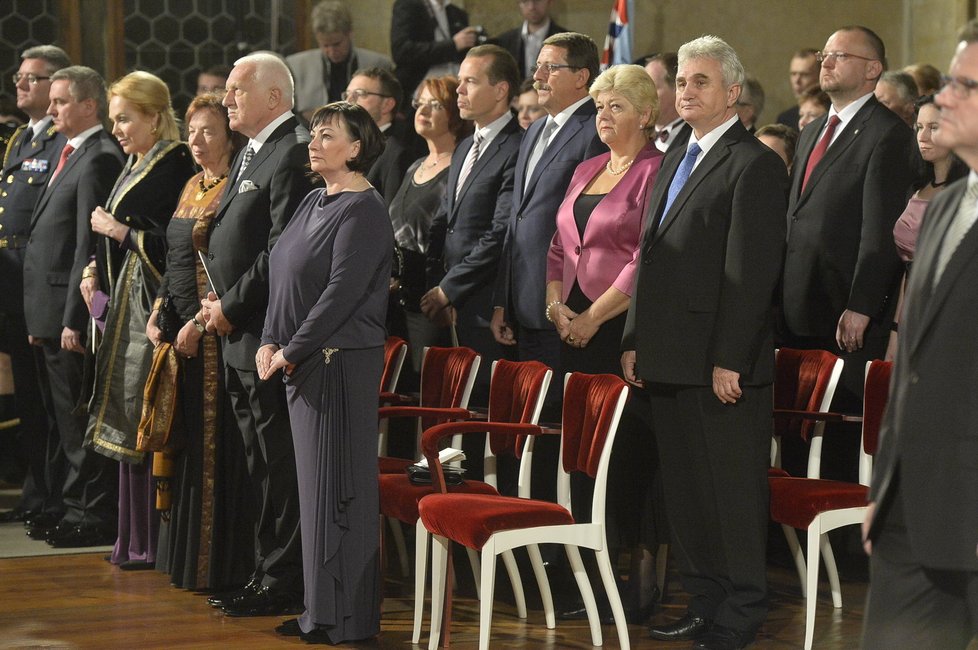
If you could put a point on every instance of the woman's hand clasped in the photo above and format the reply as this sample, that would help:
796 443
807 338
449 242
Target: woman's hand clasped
270 359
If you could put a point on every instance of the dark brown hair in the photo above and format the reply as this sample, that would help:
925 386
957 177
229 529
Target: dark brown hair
360 126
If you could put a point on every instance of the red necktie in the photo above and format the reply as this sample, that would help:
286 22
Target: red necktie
820 149
67 151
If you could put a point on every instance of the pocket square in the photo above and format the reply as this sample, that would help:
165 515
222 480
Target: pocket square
246 186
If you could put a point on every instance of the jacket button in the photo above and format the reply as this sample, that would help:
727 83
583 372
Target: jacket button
210 256
577 250
451 231
217 225
519 218
914 378
128 219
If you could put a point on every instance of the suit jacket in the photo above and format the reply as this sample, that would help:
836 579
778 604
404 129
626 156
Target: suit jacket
521 287
840 229
708 271
929 436
607 256
253 212
413 45
61 240
28 162
512 41
308 71
466 237
402 146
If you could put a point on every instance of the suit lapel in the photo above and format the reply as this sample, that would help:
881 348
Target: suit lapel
483 162
713 157
73 160
264 152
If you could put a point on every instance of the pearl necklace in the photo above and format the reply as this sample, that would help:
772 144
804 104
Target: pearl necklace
618 172
204 189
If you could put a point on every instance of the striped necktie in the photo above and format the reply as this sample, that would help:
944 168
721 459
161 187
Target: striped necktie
470 161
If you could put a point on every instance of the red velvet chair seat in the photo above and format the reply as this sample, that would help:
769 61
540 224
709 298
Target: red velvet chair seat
796 501
399 496
392 464
470 519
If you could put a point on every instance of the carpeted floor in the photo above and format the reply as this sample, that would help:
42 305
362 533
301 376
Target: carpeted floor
14 541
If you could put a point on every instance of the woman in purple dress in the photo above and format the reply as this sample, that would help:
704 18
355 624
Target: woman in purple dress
329 275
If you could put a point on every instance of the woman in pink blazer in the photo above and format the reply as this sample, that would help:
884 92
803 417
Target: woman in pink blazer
590 273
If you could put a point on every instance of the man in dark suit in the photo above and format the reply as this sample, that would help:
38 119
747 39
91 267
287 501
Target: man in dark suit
698 338
28 162
543 172
267 182
803 73
842 273
55 261
669 127
922 524
468 229
429 38
525 42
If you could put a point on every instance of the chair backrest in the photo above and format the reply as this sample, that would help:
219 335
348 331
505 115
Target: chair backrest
876 394
592 408
395 350
447 377
516 394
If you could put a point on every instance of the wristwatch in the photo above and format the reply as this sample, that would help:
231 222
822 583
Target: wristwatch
200 328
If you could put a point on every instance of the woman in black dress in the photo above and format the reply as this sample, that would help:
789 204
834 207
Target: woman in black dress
329 276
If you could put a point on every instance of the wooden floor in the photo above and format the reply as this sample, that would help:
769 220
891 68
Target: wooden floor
80 601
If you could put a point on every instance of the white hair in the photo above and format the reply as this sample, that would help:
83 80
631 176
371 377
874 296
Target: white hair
714 47
271 71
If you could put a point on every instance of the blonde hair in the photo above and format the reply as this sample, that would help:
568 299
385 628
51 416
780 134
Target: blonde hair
634 84
152 97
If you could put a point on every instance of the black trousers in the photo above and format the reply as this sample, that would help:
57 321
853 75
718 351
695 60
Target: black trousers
912 606
262 415
714 459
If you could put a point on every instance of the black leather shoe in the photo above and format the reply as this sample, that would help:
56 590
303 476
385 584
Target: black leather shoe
17 514
226 598
264 602
45 533
289 628
42 520
723 638
82 536
688 628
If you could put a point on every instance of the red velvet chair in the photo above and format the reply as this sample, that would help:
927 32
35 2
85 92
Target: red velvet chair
447 376
820 506
516 394
495 524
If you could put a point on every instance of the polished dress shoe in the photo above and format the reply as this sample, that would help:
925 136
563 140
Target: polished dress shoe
44 533
289 628
688 628
723 638
42 520
17 514
83 535
264 601
226 598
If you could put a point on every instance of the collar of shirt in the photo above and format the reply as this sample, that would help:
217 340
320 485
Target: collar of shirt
441 17
564 115
537 35
40 126
77 141
256 142
491 130
845 115
707 141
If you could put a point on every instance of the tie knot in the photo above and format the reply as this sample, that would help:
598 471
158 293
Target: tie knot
67 151
694 150
834 121
971 194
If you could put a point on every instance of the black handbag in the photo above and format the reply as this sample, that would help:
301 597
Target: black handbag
168 320
422 475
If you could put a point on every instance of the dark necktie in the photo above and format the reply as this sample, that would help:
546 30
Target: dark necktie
682 175
663 135
67 151
819 151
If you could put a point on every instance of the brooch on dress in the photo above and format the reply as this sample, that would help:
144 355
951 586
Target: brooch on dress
328 352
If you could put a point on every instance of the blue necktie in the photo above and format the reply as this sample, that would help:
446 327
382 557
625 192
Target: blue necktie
682 175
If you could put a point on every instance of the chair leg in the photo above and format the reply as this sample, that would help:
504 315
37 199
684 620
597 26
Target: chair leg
614 598
661 565
509 560
792 537
587 595
398 534
831 570
421 538
543 583
488 586
474 563
811 592
439 578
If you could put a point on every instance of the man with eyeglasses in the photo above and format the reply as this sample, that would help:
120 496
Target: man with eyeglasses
851 181
921 527
30 160
378 92
525 42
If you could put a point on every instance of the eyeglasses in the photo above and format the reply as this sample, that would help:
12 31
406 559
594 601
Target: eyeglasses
433 104
32 79
550 68
354 95
840 57
961 87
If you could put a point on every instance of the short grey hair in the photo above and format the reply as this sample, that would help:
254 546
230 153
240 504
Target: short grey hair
903 83
714 47
271 71
752 92
331 16
84 83
52 55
